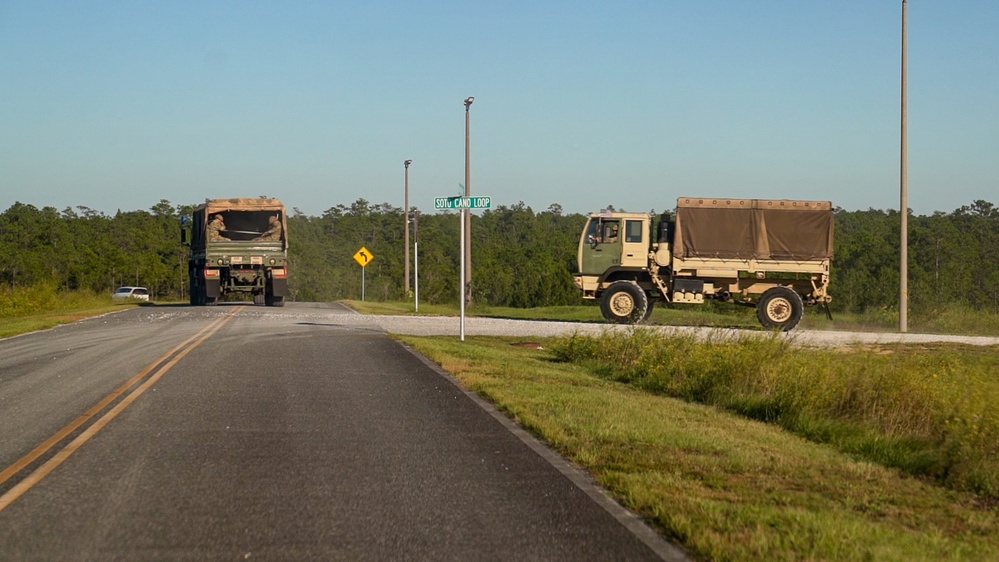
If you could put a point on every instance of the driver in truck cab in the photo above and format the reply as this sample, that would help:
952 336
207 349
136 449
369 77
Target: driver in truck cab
610 234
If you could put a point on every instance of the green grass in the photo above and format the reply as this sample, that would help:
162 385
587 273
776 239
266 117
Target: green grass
928 410
42 307
725 486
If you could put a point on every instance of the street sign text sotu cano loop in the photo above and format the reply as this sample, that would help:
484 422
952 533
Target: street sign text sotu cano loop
472 202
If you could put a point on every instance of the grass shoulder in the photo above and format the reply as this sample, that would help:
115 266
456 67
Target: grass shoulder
723 486
40 308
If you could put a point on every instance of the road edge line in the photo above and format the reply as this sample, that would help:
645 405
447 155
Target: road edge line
580 478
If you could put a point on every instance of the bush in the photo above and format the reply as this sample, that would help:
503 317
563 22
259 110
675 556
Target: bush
21 301
39 299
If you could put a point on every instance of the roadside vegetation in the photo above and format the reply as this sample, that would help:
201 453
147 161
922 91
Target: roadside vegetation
523 259
931 411
754 449
42 306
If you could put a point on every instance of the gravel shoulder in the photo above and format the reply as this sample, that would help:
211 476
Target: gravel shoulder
478 326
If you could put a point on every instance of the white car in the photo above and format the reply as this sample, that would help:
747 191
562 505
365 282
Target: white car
138 293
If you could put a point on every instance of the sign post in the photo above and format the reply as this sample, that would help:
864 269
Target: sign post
363 257
461 277
463 205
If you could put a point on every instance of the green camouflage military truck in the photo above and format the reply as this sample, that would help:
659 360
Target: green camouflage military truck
238 246
771 254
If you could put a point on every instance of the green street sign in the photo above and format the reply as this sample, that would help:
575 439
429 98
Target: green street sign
473 202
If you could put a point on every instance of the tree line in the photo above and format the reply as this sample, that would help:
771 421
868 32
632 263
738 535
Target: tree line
521 258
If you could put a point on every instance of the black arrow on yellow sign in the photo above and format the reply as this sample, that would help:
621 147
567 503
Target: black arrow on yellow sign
363 256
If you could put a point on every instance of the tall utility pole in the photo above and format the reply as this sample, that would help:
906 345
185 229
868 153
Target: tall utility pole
468 215
903 290
406 212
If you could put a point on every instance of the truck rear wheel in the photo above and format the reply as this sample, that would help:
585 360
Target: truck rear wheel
271 300
624 302
649 309
779 308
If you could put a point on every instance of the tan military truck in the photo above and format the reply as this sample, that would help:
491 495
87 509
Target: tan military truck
771 254
238 246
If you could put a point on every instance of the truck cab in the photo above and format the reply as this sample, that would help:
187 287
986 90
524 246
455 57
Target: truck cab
614 242
614 264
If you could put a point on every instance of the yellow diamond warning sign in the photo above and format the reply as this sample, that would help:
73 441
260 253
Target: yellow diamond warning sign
363 257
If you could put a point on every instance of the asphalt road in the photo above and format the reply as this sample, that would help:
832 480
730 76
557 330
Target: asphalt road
252 433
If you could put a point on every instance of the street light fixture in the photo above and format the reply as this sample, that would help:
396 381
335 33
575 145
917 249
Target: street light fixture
406 213
467 216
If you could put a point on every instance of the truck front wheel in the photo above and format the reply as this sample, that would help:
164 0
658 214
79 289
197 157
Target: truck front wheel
779 308
624 302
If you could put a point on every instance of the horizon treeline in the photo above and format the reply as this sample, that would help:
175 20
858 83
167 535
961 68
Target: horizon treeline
520 258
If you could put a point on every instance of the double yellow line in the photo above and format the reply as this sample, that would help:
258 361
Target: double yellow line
161 365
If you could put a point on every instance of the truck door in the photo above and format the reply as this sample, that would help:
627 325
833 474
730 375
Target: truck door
600 248
636 246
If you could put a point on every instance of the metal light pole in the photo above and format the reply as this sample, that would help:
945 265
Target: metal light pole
903 299
406 212
416 260
467 220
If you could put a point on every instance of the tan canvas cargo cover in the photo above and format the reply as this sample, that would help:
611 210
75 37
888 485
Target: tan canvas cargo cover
241 204
753 229
248 214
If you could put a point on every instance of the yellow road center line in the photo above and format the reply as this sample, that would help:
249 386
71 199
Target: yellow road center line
62 433
23 486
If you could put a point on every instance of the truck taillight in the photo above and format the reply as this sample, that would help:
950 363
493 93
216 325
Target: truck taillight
211 273
279 272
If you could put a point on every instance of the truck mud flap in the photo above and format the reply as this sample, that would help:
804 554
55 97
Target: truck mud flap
213 288
277 287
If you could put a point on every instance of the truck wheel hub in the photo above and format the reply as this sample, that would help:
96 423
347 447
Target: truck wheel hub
622 304
779 310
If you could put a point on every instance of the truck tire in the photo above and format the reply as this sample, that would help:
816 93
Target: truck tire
271 300
624 302
779 308
649 309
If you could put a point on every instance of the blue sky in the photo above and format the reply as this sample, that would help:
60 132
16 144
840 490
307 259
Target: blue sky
116 105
